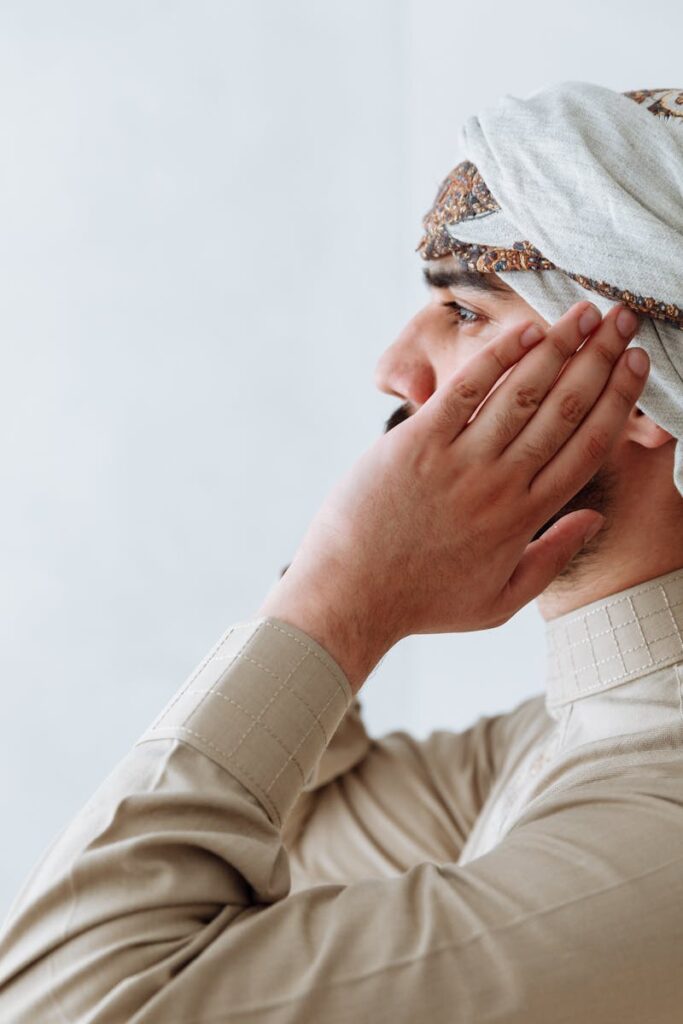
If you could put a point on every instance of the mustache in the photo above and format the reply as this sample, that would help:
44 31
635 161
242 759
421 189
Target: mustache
398 416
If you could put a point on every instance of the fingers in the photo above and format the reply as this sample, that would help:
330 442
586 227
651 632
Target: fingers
545 558
446 412
575 392
586 450
507 411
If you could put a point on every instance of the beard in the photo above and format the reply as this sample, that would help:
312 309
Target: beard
598 493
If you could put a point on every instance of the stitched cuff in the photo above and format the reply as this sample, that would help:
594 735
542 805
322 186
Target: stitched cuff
263 704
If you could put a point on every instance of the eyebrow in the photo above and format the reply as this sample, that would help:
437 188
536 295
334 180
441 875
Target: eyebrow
454 278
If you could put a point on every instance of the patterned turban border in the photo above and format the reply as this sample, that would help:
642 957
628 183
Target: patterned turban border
464 195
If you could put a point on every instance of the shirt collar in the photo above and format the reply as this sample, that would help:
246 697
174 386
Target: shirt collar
614 640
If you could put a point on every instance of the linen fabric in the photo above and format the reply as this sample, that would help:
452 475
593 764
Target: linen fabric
256 857
584 187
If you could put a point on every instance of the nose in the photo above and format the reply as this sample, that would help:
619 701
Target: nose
404 369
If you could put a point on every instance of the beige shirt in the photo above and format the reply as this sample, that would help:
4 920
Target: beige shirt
528 869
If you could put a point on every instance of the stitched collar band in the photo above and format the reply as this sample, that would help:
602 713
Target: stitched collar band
614 640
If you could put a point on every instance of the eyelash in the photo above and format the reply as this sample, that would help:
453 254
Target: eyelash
459 310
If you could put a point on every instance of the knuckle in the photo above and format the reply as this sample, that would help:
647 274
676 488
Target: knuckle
561 347
459 399
526 397
443 418
506 424
603 352
624 399
572 407
501 366
464 389
517 464
536 451
553 495
597 445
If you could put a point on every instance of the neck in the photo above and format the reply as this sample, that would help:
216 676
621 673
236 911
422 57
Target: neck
642 538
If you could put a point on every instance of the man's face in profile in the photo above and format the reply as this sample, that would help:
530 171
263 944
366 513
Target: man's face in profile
465 310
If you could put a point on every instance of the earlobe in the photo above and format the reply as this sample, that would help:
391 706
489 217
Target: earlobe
645 431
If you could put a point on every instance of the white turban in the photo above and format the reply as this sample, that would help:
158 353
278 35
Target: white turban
582 188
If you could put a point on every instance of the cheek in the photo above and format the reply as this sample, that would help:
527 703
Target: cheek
450 357
450 354
449 363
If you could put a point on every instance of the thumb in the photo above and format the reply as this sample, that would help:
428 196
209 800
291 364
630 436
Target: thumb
544 559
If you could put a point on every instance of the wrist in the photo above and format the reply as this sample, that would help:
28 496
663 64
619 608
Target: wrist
344 631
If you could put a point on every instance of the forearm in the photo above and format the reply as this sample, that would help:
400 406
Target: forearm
180 840
164 900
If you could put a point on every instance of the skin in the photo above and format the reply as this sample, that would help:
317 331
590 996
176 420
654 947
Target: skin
634 488
504 460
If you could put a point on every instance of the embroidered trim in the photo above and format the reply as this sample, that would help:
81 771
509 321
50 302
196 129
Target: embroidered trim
665 102
601 665
464 195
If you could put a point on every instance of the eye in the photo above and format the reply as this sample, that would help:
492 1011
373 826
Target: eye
463 315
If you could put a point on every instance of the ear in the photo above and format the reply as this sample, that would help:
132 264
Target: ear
644 431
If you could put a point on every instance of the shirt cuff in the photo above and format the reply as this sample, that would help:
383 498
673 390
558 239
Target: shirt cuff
263 704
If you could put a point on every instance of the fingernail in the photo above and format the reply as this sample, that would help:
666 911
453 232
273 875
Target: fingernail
531 335
627 322
592 530
637 360
589 319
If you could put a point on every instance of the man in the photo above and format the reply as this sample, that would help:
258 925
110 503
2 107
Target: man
525 870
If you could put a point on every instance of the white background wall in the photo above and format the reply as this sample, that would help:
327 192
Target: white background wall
208 211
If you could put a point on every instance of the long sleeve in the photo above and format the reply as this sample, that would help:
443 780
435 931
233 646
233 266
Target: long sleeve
167 899
378 807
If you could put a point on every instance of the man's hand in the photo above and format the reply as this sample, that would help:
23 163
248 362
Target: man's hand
431 529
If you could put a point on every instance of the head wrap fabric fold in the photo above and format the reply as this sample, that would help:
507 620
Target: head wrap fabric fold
583 186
